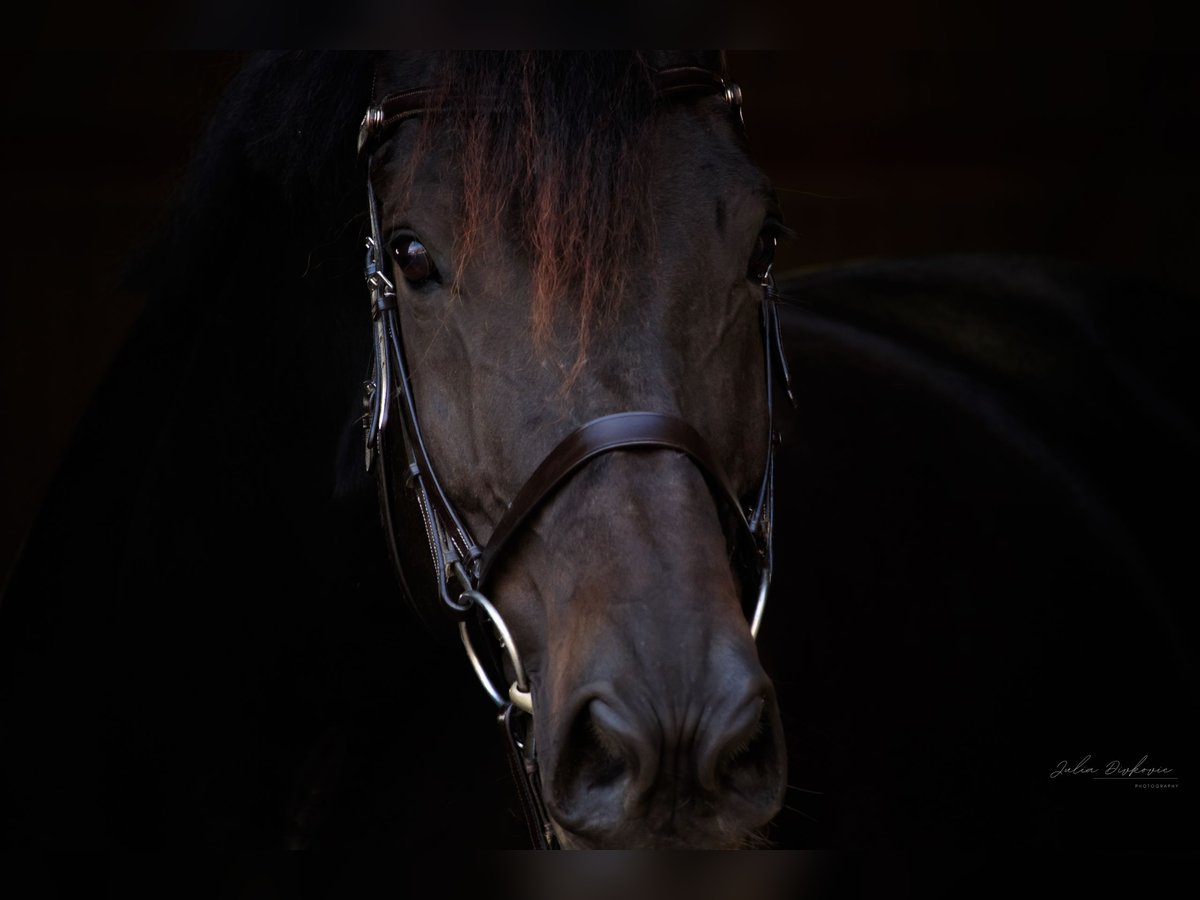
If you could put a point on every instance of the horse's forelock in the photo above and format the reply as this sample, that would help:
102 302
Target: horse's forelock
552 144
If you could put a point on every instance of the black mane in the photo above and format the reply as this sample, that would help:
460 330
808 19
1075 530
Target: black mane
283 136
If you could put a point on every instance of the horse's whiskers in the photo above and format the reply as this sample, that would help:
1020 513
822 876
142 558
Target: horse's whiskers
793 787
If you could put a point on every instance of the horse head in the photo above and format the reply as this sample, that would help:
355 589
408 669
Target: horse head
559 241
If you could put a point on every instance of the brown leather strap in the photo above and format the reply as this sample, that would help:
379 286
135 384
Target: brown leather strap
681 79
400 106
396 108
616 432
391 110
525 776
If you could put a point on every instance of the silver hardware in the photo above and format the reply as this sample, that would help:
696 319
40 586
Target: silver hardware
733 96
518 693
379 398
761 606
378 283
371 121
477 665
768 280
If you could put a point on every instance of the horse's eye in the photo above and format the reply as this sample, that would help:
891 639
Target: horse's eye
761 257
413 260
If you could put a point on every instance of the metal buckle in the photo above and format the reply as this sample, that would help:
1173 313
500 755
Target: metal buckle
377 282
733 96
369 125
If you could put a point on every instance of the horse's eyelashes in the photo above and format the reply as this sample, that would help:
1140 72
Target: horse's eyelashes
412 260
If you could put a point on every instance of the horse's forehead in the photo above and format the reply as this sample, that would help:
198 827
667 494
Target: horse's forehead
697 144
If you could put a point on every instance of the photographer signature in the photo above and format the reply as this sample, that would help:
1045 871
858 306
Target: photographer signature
1115 770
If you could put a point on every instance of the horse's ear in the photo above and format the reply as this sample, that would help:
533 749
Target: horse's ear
280 147
302 111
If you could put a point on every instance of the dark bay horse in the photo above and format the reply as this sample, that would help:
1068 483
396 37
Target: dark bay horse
563 243
205 641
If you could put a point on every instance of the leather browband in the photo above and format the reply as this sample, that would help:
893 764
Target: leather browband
396 108
628 430
681 79
391 110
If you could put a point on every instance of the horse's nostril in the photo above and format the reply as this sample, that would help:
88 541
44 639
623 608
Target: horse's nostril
592 775
598 749
745 757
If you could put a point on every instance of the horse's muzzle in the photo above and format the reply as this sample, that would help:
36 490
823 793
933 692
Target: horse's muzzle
660 769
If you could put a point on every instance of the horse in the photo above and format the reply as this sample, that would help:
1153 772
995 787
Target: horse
206 640
574 249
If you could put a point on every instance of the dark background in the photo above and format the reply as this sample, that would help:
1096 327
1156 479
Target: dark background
1083 156
1089 156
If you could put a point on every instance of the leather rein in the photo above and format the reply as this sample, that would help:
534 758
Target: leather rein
460 565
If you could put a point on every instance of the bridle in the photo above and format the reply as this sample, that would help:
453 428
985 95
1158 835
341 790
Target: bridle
460 565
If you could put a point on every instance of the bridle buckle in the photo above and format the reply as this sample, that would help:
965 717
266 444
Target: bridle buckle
733 96
371 121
